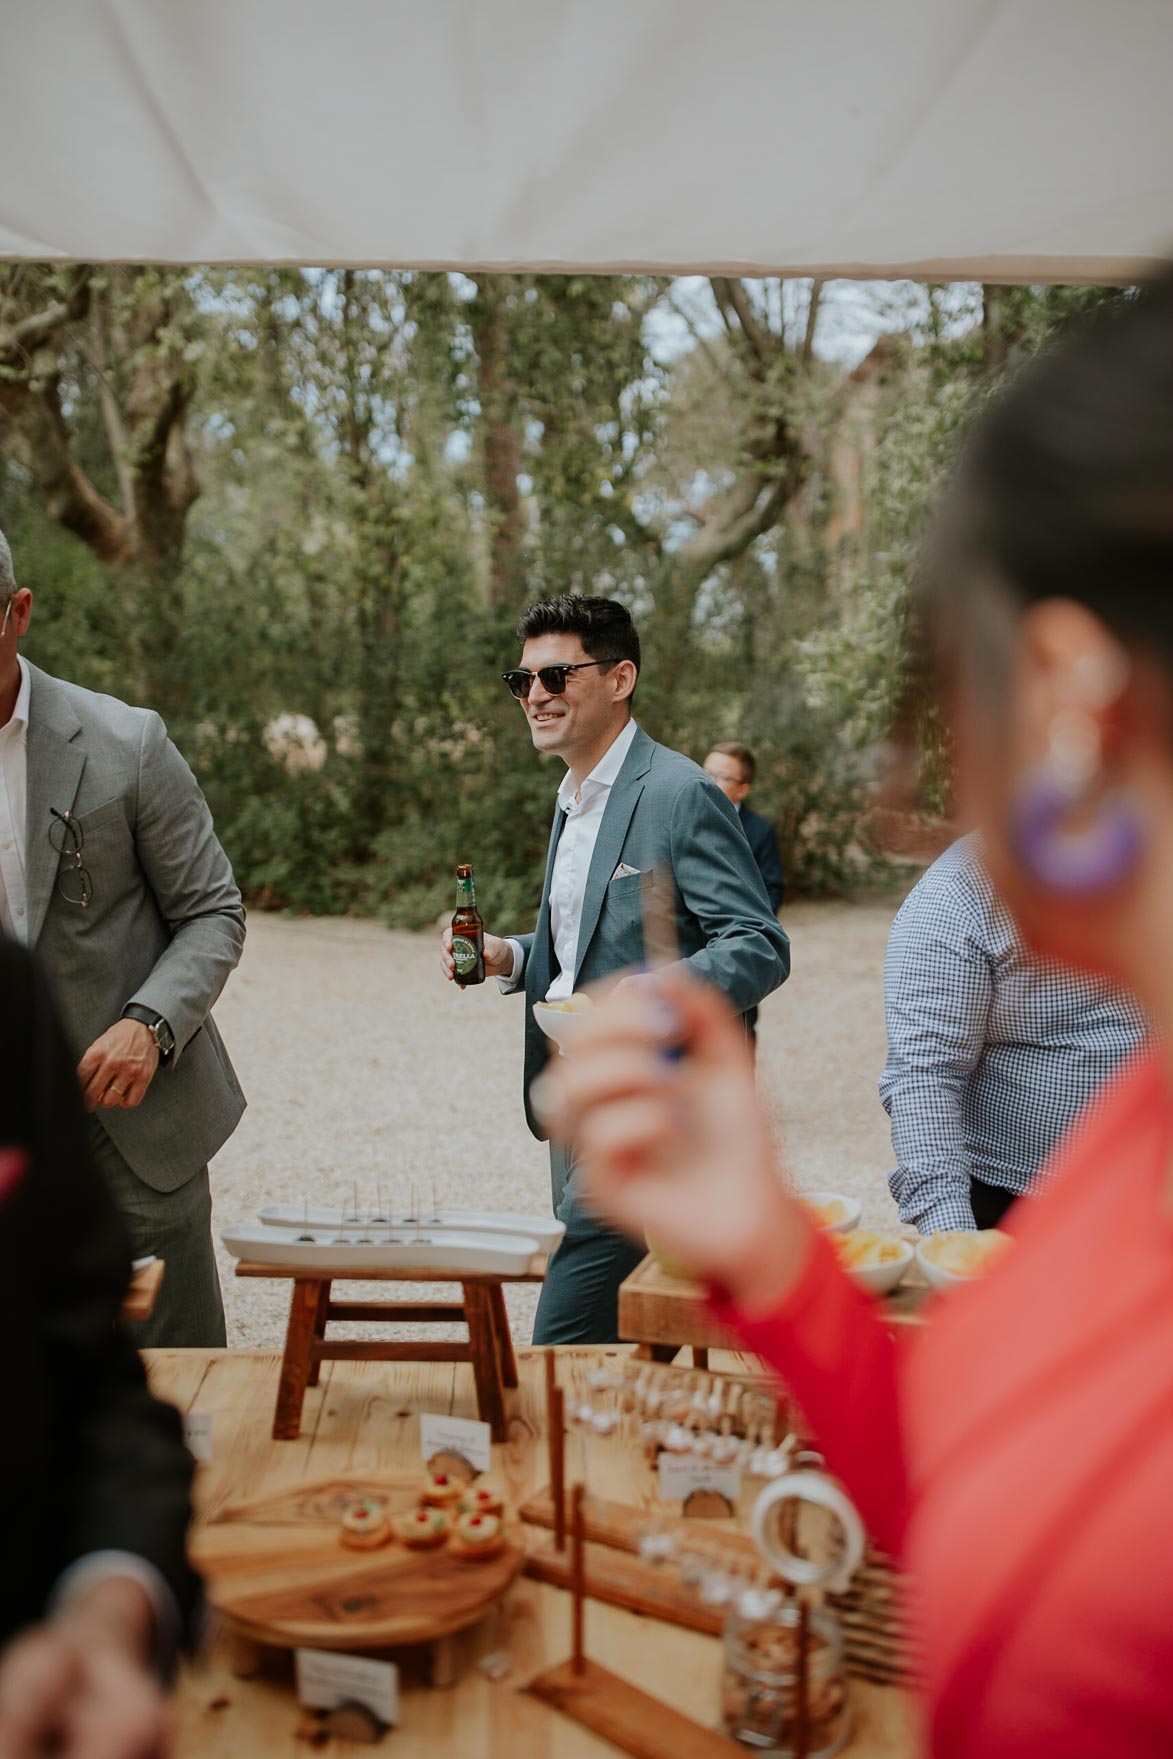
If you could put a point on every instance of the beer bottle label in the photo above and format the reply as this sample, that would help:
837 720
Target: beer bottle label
464 956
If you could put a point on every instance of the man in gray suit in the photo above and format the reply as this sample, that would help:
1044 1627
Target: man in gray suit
629 812
110 868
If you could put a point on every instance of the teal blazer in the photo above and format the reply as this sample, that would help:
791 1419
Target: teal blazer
664 815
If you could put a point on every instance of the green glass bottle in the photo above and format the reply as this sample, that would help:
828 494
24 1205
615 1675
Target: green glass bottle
468 932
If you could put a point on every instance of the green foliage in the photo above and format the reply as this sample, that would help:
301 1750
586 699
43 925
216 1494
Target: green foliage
391 465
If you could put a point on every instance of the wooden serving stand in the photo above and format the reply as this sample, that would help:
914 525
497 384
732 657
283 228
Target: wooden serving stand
278 1574
876 1636
481 1308
606 1703
664 1314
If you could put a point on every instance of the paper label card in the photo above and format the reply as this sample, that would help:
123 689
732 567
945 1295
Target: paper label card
197 1434
325 1680
473 1441
682 1474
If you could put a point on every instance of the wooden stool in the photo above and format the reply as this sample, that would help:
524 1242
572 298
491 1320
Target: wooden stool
482 1308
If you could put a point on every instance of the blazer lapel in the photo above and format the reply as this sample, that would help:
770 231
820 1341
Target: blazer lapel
541 957
609 844
55 761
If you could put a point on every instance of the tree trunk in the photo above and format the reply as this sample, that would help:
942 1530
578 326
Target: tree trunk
501 439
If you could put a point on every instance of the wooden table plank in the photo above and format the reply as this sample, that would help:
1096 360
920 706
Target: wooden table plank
366 1416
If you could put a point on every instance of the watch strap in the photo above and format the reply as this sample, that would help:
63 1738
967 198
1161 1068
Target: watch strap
164 1037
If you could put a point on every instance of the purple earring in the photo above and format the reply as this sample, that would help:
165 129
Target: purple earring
1077 863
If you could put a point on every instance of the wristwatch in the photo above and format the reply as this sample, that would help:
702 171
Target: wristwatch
160 1031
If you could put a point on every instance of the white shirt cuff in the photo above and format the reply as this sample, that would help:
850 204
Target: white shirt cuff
99 1566
508 984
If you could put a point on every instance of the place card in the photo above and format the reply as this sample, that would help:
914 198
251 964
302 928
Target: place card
682 1474
197 1434
326 1679
456 1435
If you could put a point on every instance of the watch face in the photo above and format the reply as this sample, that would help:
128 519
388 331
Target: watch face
164 1038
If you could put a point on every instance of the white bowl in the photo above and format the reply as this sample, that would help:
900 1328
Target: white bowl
559 1025
936 1275
881 1279
850 1220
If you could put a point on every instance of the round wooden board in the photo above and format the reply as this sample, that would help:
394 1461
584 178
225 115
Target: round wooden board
276 1570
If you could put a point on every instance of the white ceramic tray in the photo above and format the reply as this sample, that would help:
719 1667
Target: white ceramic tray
429 1249
542 1228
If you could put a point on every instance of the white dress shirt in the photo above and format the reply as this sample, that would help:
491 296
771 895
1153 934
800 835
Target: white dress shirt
584 811
13 815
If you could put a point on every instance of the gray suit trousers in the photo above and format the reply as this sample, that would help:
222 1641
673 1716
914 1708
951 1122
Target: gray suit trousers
177 1227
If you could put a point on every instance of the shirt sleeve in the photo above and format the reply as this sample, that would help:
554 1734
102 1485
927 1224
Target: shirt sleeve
507 985
839 1363
938 989
98 1566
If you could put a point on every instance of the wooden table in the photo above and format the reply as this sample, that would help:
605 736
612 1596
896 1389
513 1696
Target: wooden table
664 1314
143 1291
364 1416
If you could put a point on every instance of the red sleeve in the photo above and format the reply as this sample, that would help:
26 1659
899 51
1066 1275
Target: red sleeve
839 1362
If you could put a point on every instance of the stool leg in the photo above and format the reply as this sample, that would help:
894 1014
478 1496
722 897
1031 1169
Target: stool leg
315 1373
486 1364
295 1364
496 1297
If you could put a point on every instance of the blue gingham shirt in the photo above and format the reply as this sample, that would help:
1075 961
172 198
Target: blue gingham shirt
992 1052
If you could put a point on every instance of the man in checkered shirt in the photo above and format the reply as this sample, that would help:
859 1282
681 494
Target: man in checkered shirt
992 1053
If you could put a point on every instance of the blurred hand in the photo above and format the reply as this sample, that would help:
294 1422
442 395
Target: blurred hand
678 1149
118 1067
498 956
79 1686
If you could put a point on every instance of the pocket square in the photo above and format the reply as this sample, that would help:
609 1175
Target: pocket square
623 871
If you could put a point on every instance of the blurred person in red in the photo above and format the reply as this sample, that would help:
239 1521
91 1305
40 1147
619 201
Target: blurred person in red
96 1595
1017 1452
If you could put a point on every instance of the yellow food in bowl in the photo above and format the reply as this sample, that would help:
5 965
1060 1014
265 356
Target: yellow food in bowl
829 1214
860 1248
962 1252
672 1267
575 1004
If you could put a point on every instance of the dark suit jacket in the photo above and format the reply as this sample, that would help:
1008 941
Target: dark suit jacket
763 841
663 816
89 1461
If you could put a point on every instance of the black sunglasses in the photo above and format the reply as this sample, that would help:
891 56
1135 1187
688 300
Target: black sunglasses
553 677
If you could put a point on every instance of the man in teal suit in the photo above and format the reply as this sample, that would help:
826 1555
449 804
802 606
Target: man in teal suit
628 811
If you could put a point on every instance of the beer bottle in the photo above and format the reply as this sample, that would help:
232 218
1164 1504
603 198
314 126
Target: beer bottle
468 932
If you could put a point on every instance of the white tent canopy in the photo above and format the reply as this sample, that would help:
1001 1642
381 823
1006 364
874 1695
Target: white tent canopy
945 139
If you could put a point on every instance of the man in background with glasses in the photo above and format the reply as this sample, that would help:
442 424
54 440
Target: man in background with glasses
733 768
628 812
110 868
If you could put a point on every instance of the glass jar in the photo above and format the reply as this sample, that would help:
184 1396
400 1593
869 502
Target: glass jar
759 1691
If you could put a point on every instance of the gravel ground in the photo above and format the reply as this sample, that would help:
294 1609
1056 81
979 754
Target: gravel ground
360 1063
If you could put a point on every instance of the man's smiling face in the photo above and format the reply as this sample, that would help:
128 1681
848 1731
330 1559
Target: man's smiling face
579 718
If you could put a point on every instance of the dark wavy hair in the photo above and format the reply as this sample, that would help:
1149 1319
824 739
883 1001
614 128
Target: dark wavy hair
604 626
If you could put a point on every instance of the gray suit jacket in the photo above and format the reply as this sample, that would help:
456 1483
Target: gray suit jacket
165 924
664 815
